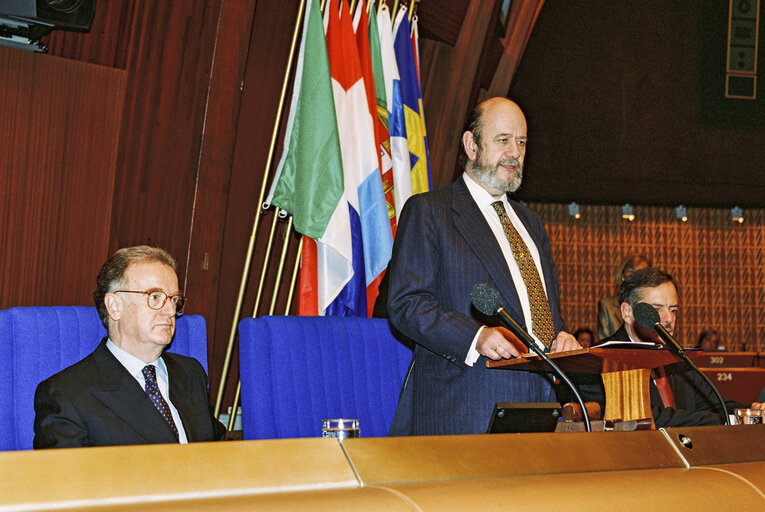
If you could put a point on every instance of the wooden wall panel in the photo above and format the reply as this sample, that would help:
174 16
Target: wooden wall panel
59 126
212 220
450 87
184 64
267 60
168 78
719 265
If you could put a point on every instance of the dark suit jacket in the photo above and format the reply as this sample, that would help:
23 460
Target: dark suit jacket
695 403
96 402
443 248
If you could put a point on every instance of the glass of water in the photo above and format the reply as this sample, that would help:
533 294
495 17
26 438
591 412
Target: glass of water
340 428
749 416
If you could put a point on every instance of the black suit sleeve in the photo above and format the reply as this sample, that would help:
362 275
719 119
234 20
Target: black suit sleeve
57 424
219 430
697 404
194 408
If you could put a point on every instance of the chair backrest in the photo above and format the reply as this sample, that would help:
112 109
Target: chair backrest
36 342
297 371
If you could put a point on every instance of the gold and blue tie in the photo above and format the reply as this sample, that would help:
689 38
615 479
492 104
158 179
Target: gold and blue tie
541 318
149 374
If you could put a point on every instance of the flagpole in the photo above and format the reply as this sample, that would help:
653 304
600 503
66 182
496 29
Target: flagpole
272 308
294 277
266 259
280 269
258 296
256 222
412 8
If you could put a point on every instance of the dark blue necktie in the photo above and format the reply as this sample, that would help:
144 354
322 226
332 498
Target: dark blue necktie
156 397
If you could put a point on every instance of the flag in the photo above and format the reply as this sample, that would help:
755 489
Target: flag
362 29
414 112
402 176
309 181
416 47
370 225
368 41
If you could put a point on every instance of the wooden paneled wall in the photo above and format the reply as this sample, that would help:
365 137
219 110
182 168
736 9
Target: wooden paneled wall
58 153
719 265
184 73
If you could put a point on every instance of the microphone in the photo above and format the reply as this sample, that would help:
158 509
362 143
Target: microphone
648 318
488 301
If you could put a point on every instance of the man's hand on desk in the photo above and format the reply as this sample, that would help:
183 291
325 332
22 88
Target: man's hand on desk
499 343
564 342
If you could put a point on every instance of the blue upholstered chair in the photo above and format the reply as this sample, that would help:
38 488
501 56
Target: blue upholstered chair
36 342
296 371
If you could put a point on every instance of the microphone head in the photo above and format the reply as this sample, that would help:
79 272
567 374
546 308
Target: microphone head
646 315
486 299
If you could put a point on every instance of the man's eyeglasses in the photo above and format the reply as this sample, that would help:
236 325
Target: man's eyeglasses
156 299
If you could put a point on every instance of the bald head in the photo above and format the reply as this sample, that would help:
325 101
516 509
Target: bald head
494 142
500 104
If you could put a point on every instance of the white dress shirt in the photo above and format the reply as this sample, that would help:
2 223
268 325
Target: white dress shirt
484 200
134 366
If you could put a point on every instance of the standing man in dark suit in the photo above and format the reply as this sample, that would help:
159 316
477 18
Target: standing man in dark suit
447 241
679 397
128 391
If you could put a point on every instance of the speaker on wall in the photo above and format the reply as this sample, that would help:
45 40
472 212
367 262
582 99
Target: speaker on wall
24 22
67 14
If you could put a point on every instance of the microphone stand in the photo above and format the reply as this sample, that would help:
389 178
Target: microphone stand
522 335
678 350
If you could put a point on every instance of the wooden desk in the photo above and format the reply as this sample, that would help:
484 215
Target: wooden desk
728 360
740 384
693 469
625 373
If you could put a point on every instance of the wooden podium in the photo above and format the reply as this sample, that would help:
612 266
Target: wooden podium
625 372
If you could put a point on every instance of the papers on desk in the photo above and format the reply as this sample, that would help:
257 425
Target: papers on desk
643 345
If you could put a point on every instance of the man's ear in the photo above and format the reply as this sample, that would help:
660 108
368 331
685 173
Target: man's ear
470 145
114 306
627 315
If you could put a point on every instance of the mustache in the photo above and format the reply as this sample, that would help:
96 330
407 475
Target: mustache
510 162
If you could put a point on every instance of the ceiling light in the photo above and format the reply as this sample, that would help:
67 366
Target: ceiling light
573 210
737 215
628 213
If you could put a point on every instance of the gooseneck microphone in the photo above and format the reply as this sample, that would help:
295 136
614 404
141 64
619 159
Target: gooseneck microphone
648 318
488 301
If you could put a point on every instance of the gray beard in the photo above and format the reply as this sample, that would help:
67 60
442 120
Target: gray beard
487 175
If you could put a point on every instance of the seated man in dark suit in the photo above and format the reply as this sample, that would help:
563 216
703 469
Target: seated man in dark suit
128 391
686 399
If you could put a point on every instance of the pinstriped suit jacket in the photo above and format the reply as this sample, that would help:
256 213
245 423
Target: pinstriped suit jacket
443 247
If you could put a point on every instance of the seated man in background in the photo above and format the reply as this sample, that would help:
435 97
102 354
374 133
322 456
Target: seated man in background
128 391
584 336
709 341
609 312
679 397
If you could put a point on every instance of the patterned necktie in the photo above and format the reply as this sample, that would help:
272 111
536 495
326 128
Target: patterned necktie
541 318
156 397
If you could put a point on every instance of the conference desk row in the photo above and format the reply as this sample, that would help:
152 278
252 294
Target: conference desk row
738 376
698 468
